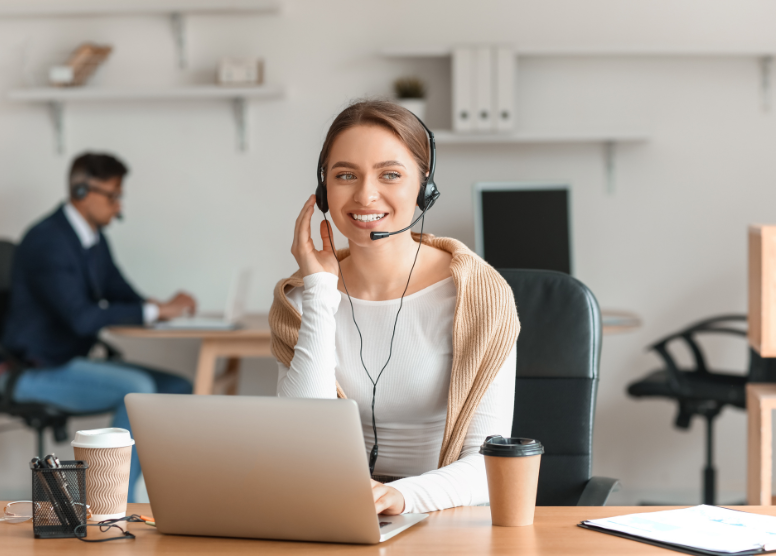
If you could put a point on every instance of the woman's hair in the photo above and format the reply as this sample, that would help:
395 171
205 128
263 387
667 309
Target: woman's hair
396 119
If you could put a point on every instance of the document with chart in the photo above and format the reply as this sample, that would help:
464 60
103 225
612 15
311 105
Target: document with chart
697 530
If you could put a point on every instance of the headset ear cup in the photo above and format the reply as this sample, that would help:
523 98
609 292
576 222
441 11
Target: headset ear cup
427 195
321 198
80 191
423 196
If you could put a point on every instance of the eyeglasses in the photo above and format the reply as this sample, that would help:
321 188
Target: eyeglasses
17 512
112 197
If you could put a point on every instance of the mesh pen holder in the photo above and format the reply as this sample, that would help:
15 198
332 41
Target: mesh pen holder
59 500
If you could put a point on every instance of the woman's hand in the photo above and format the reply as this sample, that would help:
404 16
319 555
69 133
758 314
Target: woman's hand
309 259
388 500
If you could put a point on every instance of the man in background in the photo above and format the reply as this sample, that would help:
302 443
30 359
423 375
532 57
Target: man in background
65 287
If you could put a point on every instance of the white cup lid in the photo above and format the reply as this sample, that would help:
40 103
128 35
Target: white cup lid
102 438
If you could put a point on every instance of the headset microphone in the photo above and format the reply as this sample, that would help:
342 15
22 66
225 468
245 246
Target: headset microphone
380 235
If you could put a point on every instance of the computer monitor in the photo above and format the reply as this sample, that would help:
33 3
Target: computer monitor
523 225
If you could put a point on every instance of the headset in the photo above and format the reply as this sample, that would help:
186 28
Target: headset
427 196
80 189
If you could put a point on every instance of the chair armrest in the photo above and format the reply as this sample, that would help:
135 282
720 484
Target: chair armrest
707 325
597 491
687 335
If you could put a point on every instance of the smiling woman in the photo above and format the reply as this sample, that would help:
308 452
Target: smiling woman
427 320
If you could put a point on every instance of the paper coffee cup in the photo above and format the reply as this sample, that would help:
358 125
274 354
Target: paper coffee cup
512 466
109 455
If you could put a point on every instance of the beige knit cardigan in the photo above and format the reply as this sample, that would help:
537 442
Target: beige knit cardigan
485 329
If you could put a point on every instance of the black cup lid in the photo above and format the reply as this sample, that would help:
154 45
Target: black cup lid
511 447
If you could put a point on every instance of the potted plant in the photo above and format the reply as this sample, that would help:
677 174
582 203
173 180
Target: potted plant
411 94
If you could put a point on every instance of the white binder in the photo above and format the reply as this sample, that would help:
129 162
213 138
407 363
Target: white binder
506 66
463 77
483 88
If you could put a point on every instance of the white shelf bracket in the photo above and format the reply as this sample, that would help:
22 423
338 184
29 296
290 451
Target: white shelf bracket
766 72
178 23
57 113
610 153
240 106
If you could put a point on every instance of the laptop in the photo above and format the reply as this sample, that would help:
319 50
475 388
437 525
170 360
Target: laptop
258 467
236 302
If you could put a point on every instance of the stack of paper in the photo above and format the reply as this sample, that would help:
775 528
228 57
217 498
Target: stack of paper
701 529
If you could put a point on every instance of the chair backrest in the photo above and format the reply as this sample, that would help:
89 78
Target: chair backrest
558 354
6 255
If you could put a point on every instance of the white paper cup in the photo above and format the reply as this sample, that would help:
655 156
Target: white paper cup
109 455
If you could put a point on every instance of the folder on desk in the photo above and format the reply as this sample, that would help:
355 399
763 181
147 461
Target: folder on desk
705 530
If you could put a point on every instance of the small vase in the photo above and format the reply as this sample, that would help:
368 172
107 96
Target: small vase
415 105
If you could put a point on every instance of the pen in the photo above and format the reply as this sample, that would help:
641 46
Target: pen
58 487
45 483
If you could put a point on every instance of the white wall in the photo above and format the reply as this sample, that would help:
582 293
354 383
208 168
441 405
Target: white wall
670 244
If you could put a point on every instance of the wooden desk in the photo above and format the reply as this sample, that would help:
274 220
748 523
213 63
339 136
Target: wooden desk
619 322
464 531
251 340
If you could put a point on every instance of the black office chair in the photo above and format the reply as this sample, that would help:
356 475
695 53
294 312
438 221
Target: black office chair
697 390
38 416
558 354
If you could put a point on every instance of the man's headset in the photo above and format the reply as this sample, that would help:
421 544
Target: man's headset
427 195
80 189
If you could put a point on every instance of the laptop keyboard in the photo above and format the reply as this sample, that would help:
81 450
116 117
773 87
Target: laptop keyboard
384 523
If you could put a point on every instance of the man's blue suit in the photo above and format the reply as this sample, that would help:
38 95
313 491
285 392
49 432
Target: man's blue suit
63 294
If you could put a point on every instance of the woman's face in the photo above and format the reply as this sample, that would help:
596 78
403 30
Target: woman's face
372 182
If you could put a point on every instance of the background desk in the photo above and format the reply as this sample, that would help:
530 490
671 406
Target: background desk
464 531
251 340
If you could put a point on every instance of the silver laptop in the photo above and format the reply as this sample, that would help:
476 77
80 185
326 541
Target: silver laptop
236 302
258 467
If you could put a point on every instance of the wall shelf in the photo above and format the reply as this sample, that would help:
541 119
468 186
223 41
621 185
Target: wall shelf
58 8
176 10
756 51
764 54
56 98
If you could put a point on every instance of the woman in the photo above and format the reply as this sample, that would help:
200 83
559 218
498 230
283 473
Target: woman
422 333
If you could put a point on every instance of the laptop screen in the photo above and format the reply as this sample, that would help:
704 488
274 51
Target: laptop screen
524 226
